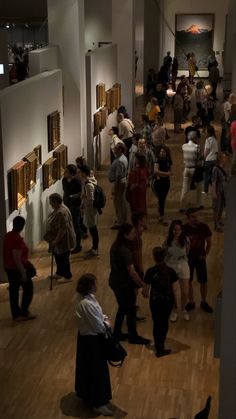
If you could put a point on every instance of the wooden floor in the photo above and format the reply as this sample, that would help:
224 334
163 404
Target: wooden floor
37 358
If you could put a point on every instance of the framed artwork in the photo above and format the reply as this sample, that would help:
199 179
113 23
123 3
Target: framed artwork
97 119
194 33
17 189
108 101
38 153
100 95
60 155
104 115
31 169
54 130
118 87
49 172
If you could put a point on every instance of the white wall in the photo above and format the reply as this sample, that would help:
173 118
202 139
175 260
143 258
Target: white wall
66 29
139 37
98 18
218 7
24 109
101 68
43 59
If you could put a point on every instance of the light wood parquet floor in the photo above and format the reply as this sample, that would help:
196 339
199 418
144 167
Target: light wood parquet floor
37 358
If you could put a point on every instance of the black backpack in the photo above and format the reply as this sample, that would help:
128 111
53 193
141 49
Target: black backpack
99 198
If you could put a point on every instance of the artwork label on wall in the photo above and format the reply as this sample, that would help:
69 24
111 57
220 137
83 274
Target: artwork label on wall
17 189
54 130
193 33
61 160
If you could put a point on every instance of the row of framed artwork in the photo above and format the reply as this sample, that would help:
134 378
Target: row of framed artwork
108 101
22 177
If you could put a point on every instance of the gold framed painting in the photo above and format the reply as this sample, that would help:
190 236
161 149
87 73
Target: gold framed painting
61 155
38 153
17 188
54 130
31 170
100 95
104 115
97 119
49 172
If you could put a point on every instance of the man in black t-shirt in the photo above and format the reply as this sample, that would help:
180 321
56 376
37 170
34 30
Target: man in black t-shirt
72 199
164 286
194 127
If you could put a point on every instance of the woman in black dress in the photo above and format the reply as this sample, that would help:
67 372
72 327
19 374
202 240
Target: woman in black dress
123 281
92 380
161 179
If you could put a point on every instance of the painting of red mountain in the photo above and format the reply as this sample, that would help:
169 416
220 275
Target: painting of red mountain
194 33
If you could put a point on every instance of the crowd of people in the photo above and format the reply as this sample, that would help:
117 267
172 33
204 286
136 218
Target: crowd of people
138 159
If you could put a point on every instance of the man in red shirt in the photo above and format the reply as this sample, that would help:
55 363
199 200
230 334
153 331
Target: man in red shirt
199 235
15 258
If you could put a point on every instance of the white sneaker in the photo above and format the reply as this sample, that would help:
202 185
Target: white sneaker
174 316
64 280
91 254
104 410
54 276
185 315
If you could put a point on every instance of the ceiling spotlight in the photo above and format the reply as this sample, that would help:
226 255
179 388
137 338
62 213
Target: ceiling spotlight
7 26
26 25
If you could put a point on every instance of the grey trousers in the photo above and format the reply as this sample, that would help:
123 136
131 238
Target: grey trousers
120 201
187 179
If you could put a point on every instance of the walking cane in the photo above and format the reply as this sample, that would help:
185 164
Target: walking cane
51 276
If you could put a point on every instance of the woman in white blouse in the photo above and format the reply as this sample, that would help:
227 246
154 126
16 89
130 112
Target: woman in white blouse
92 380
177 248
210 155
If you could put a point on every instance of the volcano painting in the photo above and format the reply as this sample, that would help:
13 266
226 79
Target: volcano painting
194 33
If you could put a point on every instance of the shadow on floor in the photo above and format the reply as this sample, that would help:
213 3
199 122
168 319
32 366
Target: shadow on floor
72 406
173 344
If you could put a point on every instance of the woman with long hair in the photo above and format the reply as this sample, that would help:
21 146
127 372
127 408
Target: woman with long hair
137 185
92 380
161 179
123 280
177 248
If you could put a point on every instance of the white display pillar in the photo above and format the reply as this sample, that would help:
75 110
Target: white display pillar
66 30
123 34
153 36
229 61
227 405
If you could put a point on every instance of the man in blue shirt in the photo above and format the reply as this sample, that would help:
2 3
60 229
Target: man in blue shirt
118 177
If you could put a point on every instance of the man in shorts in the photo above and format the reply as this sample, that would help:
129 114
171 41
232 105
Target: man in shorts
199 235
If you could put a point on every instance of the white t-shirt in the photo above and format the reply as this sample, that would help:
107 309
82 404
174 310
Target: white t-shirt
126 128
212 146
227 110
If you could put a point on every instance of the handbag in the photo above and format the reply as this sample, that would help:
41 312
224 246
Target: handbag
30 270
114 351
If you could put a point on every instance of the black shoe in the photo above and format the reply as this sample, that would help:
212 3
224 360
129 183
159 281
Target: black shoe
139 340
76 250
122 337
163 353
200 208
205 306
181 210
190 306
140 318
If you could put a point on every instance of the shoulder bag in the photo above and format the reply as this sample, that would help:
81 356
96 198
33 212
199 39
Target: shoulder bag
114 351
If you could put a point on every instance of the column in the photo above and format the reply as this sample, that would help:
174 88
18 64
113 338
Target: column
66 30
153 36
227 405
229 61
123 34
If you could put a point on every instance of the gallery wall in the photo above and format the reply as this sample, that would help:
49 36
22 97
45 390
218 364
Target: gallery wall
219 7
98 19
24 109
101 67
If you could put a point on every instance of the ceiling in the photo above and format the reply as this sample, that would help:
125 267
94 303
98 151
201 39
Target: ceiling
21 10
